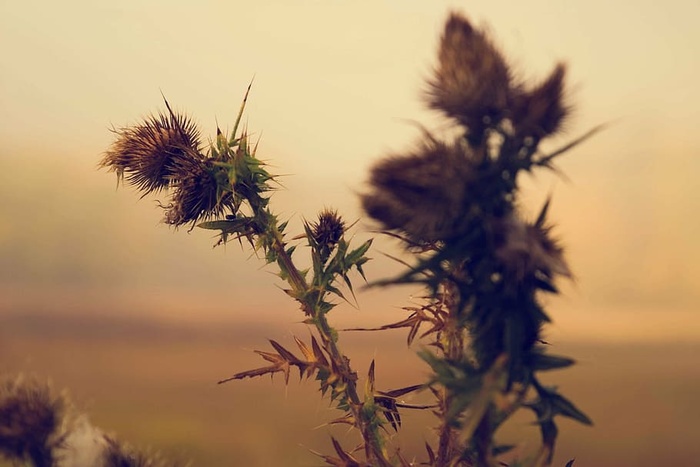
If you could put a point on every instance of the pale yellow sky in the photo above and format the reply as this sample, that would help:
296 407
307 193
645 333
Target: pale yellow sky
335 82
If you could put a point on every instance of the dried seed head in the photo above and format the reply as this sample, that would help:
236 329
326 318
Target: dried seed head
197 195
526 250
540 111
423 194
472 79
329 228
32 421
152 154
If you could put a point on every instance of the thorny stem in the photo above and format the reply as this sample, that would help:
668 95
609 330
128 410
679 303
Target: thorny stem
483 437
453 344
373 450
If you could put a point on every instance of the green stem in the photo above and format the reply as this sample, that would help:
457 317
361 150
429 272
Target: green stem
373 448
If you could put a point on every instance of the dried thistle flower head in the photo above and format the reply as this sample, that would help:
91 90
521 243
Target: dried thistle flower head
153 153
424 194
328 229
527 250
32 421
164 152
197 195
472 79
541 110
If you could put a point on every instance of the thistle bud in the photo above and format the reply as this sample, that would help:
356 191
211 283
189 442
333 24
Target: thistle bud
326 232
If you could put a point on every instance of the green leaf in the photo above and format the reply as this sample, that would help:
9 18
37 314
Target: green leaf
290 250
547 159
566 408
551 403
240 112
357 254
229 226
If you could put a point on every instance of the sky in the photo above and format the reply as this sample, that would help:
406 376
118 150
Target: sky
336 86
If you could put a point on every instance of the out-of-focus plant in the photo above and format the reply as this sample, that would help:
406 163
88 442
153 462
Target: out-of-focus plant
453 204
40 427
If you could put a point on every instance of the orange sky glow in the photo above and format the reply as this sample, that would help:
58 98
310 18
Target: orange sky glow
336 86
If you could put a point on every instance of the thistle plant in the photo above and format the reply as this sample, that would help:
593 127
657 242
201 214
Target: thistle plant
453 205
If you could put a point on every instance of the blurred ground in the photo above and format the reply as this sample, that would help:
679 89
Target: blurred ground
154 386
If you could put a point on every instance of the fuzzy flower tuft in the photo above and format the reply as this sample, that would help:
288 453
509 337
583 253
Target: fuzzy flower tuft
424 194
197 195
472 79
540 111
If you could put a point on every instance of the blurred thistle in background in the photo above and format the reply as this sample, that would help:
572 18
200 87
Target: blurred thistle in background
85 271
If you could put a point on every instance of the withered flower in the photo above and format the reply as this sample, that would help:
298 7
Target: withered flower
526 250
540 111
152 154
424 194
472 79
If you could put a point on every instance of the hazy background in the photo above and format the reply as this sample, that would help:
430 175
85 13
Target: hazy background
336 85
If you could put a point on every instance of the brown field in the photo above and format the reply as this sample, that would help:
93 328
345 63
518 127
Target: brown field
155 387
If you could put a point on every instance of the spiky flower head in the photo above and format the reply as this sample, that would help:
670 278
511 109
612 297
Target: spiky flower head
329 228
150 155
472 79
541 110
163 152
325 233
197 195
424 194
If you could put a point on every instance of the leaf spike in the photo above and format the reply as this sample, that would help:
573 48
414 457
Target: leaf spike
542 216
240 112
